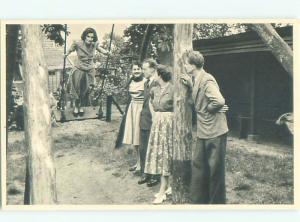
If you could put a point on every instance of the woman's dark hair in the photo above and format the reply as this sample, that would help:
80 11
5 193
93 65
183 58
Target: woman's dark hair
87 31
195 58
136 63
152 63
164 73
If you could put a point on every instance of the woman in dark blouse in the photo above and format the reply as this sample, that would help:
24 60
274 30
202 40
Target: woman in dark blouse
160 147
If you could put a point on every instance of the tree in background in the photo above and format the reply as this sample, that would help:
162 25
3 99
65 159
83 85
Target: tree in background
161 37
160 44
118 71
210 31
55 32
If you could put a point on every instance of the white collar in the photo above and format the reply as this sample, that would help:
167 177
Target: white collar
151 79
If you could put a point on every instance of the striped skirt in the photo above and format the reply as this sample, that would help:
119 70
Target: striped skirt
132 124
160 146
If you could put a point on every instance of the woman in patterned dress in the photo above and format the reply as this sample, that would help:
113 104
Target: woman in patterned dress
132 123
83 74
160 147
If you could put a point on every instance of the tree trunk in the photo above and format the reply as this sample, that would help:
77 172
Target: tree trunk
279 48
11 61
183 118
42 188
146 42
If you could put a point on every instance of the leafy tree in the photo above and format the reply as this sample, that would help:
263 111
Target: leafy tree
161 39
55 32
116 77
211 30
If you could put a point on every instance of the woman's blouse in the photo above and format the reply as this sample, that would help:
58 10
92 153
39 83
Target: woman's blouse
162 98
136 90
85 54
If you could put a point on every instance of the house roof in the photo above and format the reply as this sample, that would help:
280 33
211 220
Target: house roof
54 55
239 43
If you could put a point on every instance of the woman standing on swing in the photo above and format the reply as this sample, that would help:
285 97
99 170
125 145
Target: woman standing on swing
83 75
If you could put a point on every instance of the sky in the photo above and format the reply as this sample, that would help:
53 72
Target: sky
101 29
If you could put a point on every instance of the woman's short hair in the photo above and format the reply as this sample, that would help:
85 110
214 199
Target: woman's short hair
195 58
87 31
152 63
164 73
136 63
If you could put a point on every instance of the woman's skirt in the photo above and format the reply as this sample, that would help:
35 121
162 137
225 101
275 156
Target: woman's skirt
132 123
80 81
160 146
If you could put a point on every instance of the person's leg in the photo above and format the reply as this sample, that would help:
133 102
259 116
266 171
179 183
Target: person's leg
169 188
200 175
137 166
216 149
161 195
87 83
144 138
83 92
138 162
75 88
164 184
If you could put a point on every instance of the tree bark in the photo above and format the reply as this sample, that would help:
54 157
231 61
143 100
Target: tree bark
42 188
146 42
182 147
11 61
279 48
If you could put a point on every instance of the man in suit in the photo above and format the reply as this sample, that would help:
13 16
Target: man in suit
149 67
208 163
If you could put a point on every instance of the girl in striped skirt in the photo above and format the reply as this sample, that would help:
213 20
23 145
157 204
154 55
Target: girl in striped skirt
132 123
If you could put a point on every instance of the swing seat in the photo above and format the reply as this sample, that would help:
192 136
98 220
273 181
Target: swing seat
90 112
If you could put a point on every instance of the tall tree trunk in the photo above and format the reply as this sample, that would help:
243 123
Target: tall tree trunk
279 48
183 118
11 61
146 42
37 119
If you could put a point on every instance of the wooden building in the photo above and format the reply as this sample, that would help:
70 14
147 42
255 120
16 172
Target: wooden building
54 60
256 87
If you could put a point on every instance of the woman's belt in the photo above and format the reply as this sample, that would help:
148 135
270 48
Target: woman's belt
137 99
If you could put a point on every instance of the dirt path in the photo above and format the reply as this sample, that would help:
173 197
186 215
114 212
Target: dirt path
97 174
90 171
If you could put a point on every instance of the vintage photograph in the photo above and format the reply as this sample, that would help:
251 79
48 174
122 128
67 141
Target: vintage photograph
135 113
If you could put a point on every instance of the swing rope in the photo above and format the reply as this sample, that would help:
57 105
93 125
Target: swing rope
106 64
62 95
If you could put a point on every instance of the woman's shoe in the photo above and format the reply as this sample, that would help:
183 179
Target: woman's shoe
133 168
152 182
137 172
160 198
75 111
167 192
81 111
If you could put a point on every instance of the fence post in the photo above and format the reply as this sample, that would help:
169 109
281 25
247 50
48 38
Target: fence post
109 101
